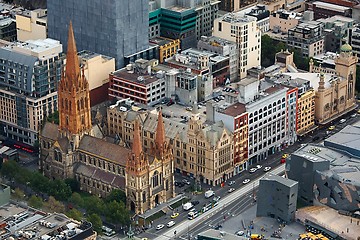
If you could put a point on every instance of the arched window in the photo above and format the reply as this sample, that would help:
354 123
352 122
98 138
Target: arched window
78 105
155 179
82 103
66 104
144 196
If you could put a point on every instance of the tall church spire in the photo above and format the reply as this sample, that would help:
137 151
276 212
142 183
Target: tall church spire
73 95
72 60
160 131
136 147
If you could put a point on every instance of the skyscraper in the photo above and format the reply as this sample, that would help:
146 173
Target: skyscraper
114 28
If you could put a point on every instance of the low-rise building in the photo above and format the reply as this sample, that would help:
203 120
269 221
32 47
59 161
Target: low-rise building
96 69
29 74
277 198
325 10
282 20
308 37
224 48
262 17
167 47
31 25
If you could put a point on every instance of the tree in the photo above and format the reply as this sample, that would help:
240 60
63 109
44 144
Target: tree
54 206
74 214
96 221
94 204
116 195
9 169
73 184
60 190
54 117
35 202
76 199
116 212
39 182
18 194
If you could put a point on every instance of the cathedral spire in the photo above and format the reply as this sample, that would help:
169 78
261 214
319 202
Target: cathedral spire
136 147
72 60
160 131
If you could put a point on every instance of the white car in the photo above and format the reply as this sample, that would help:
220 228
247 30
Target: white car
342 120
353 115
252 170
231 183
246 181
160 226
266 169
231 190
240 233
258 166
170 224
186 181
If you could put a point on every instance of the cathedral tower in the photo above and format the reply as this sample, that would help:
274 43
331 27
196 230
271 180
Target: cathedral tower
73 94
137 181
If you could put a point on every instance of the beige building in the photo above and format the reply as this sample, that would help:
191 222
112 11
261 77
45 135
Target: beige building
31 25
282 20
306 112
200 150
96 69
244 32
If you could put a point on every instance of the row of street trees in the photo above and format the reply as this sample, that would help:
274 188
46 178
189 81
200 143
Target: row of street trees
65 197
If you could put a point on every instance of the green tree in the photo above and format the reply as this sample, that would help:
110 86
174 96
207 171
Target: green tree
74 214
116 195
73 184
300 61
116 212
39 182
77 200
35 202
54 205
54 117
18 194
59 189
9 169
94 204
96 222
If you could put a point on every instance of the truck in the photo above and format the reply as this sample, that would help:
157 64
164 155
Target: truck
187 206
209 193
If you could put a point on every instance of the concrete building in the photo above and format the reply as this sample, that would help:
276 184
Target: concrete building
7 28
94 31
244 32
167 47
137 83
36 224
329 174
235 5
308 37
354 40
235 119
262 17
30 74
338 31
96 69
326 10
31 25
224 48
277 197
282 20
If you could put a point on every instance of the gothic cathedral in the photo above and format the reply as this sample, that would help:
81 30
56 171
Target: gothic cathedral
69 149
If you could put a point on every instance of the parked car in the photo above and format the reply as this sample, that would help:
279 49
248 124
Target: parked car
187 182
252 170
217 227
231 190
266 169
240 233
246 181
258 166
231 183
160 226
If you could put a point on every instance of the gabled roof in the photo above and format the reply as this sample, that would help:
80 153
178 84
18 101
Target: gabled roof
214 132
50 130
103 149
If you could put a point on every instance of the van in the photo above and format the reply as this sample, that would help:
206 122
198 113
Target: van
170 224
187 206
209 194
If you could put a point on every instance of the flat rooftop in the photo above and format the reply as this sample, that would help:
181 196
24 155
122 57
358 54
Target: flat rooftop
161 41
235 109
87 55
314 78
330 6
284 181
135 77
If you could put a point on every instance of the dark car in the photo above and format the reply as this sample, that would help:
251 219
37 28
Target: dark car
315 138
217 227
195 203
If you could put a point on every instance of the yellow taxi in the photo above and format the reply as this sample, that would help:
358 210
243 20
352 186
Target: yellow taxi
285 155
175 215
331 128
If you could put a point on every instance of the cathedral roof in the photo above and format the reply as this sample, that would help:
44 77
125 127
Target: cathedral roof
160 130
100 175
50 130
100 147
72 59
137 146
